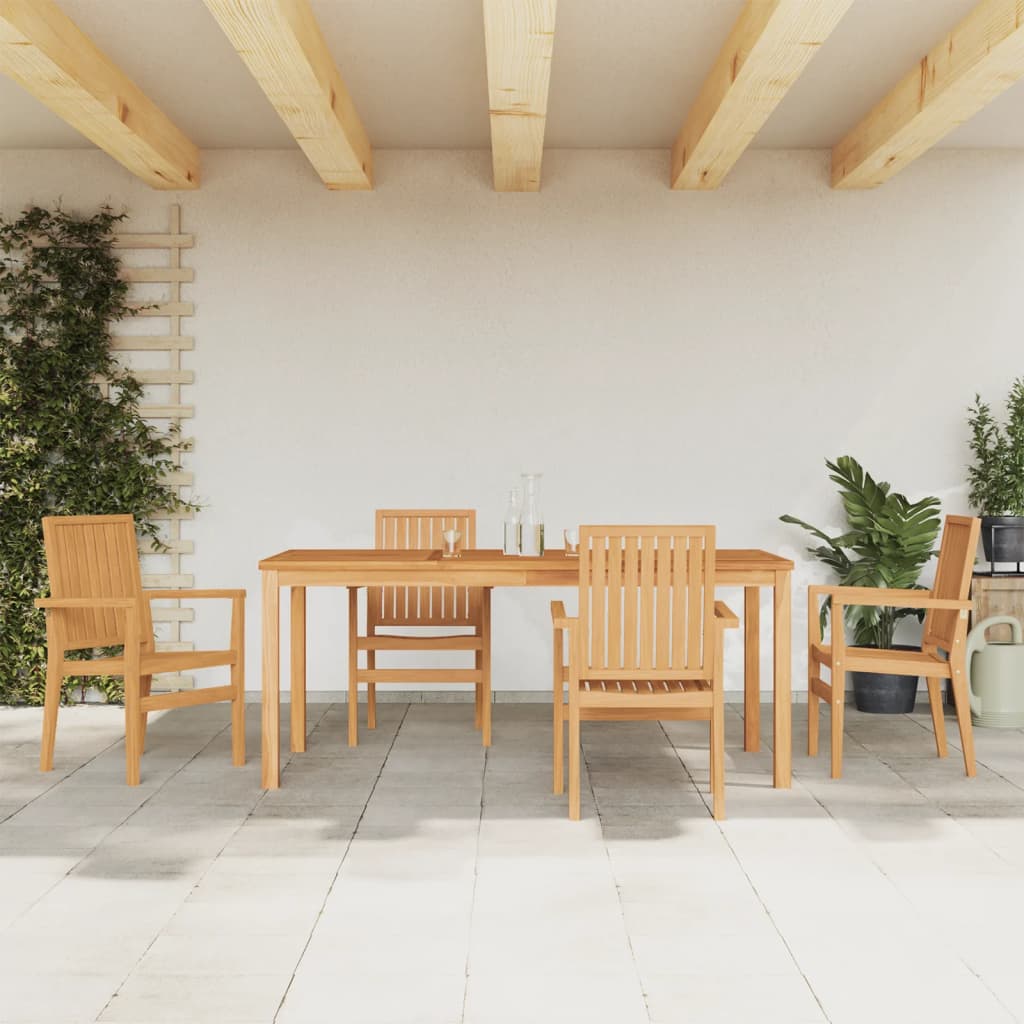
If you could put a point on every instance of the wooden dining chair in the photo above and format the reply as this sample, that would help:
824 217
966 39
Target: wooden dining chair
390 608
943 652
96 600
647 642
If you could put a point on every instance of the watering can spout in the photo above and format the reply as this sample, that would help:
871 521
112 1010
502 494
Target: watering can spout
995 672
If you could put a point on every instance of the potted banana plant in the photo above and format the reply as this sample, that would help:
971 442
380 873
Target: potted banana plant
888 541
996 476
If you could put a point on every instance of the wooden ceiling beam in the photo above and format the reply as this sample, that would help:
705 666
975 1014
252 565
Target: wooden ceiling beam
981 58
282 45
766 51
519 37
46 53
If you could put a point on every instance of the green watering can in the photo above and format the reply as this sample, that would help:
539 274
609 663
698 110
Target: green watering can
995 675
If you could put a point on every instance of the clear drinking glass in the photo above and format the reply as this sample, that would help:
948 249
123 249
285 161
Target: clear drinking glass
451 540
572 541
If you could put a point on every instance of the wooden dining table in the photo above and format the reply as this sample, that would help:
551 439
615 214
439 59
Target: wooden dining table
298 569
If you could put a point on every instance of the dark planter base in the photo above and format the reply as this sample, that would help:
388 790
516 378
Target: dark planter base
879 693
1002 538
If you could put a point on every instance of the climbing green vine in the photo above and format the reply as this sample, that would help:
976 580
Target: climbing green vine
66 448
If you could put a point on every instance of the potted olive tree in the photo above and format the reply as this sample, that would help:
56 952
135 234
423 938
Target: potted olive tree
888 541
996 476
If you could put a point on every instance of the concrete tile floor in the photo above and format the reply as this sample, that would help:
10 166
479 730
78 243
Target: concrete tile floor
420 880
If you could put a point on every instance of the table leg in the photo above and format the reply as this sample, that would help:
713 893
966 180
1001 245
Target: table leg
485 698
783 704
353 666
298 680
751 668
271 681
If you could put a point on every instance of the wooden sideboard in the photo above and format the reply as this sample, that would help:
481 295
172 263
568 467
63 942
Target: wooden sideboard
997 595
993 595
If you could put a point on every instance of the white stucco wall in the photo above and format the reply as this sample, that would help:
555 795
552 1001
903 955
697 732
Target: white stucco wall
660 356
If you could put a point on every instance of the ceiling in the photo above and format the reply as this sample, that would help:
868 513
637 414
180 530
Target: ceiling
624 73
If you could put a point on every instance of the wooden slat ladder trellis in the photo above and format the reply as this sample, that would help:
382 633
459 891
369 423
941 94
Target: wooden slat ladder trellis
165 569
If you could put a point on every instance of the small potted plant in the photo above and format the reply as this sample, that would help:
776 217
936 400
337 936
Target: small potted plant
996 476
888 541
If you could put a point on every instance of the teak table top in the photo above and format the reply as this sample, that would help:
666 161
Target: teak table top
482 567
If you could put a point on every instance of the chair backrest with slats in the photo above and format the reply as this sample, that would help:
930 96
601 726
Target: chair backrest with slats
95 556
422 530
646 605
957 552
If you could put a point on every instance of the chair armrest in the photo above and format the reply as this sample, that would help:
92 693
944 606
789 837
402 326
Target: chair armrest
882 597
184 595
85 602
728 618
558 617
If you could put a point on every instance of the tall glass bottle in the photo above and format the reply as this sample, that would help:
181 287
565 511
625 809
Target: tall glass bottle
513 522
533 518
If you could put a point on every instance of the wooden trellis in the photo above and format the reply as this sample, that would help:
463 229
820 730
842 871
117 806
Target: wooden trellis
152 264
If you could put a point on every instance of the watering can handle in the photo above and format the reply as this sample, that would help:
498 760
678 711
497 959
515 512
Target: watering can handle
976 641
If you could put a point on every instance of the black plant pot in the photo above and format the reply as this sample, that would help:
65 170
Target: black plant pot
1002 537
879 693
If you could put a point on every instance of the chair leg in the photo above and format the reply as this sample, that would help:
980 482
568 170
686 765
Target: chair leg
958 663
938 718
133 727
238 716
711 753
838 705
813 714
574 764
50 709
145 689
718 757
558 745
558 713
238 676
486 707
353 712
478 696
371 688
371 695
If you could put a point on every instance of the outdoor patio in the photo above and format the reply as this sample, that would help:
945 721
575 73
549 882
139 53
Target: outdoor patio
627 396
420 878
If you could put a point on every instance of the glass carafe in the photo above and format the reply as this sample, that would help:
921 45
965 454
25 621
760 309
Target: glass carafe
532 529
513 522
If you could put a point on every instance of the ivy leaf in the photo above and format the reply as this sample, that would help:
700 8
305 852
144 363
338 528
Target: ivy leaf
65 449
